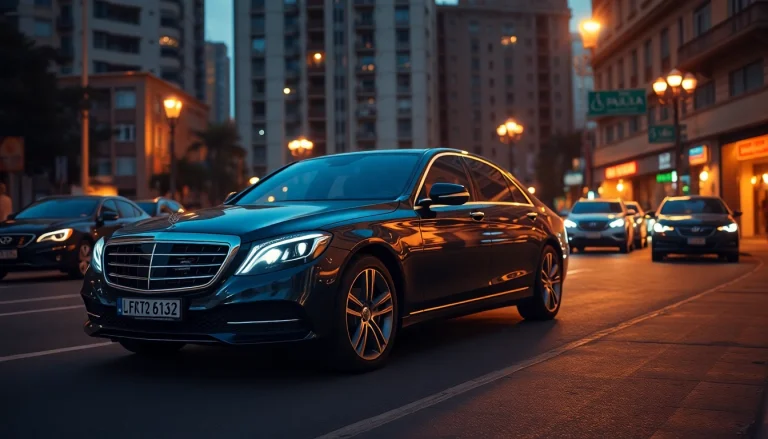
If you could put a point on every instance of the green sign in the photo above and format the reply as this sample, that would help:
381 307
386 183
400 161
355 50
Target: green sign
667 177
664 133
617 102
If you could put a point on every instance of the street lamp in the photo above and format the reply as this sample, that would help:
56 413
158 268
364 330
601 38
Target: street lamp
509 132
300 147
590 32
675 90
172 112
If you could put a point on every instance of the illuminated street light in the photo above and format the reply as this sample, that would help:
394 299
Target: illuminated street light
704 176
317 56
531 190
253 180
510 132
286 91
620 186
172 107
300 147
589 30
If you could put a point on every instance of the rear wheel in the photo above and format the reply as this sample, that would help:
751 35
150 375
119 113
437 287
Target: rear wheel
84 256
732 258
152 348
625 248
547 289
657 256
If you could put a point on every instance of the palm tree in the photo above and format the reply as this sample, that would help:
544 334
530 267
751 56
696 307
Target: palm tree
220 145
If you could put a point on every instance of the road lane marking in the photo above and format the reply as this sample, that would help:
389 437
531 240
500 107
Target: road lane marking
39 299
33 311
567 273
53 351
372 423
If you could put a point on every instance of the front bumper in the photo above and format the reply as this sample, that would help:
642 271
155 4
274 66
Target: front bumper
604 238
674 243
283 306
42 256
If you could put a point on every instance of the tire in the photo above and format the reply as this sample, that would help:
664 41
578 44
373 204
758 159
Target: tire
625 248
657 256
732 258
366 323
544 305
84 255
581 249
155 349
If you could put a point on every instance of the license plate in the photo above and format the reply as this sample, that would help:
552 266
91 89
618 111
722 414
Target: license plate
9 254
697 241
165 309
593 235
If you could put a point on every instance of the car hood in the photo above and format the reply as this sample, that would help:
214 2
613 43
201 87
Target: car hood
36 225
708 219
257 222
578 217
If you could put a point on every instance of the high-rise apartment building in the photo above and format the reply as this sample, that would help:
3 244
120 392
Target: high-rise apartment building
162 37
346 74
217 81
583 81
500 59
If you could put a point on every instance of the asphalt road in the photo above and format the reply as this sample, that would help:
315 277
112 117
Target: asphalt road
57 382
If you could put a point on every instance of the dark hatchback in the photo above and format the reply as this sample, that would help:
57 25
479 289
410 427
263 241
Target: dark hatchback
59 232
346 249
695 225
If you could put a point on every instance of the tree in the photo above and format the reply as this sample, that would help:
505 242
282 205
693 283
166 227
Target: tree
554 160
220 145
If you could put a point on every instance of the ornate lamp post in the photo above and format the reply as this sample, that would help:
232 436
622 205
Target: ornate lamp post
675 89
172 112
590 32
510 132
301 147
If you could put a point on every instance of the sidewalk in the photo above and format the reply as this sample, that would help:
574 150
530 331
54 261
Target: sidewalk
698 371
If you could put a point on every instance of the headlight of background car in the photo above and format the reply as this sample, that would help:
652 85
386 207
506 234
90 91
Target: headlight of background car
617 223
569 224
98 252
57 235
284 252
639 220
661 228
732 227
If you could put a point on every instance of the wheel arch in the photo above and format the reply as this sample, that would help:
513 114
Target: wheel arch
390 259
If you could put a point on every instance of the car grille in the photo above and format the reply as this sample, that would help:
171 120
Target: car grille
163 266
594 226
696 230
16 240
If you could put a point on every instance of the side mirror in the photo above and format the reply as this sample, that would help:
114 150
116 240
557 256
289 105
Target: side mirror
11 216
631 212
107 216
736 213
230 196
446 193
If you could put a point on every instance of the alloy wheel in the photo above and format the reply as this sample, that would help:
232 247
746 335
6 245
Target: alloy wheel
370 314
551 282
84 257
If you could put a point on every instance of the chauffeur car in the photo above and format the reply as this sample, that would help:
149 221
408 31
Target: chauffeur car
601 223
345 249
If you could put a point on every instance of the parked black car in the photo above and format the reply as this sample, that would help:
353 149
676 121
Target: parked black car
59 232
695 225
346 249
160 206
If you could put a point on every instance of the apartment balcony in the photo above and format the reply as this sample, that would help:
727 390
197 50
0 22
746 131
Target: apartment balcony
404 112
65 23
366 136
403 45
316 113
364 46
315 24
366 69
365 3
316 90
403 90
316 69
365 23
313 4
366 111
747 29
404 135
293 6
291 28
315 46
365 91
292 51
66 53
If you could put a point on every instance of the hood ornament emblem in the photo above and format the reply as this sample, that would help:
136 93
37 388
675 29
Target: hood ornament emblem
5 240
696 229
174 218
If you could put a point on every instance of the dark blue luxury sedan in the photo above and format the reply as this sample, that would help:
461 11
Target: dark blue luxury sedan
346 249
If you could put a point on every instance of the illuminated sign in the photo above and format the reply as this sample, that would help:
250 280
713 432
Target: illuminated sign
698 155
753 148
621 170
667 177
665 161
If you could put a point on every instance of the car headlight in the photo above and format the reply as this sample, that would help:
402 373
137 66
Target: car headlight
732 227
639 221
661 228
569 224
57 235
96 256
284 252
617 223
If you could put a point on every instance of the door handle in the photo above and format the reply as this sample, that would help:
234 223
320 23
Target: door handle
532 215
477 216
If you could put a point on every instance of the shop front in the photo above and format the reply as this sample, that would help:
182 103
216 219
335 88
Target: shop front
646 180
745 182
703 170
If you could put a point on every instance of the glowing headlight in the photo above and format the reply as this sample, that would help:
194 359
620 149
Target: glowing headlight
284 252
569 224
57 235
639 220
617 223
732 227
98 252
661 228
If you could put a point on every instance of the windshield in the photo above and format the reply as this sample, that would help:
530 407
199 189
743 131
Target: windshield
693 207
632 206
148 206
341 177
596 207
60 208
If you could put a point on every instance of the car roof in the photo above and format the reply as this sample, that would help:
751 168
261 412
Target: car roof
80 197
600 200
693 197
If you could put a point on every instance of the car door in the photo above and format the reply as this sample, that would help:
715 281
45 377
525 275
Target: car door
512 217
453 263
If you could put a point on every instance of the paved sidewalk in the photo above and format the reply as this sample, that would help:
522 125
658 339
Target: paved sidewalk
697 371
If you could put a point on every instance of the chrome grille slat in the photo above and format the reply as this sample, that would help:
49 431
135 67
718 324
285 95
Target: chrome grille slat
190 254
122 276
184 277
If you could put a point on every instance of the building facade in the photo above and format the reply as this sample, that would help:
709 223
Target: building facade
346 74
132 106
501 59
726 119
162 37
217 81
583 81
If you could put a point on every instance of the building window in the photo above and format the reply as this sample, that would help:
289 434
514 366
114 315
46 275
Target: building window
402 15
126 167
702 19
648 54
125 132
747 78
258 45
620 72
257 24
103 166
634 125
664 44
509 63
664 113
125 98
609 134
619 130
475 45
43 28
609 78
44 3
633 64
475 64
475 81
114 12
680 32
651 116
704 96
736 6
169 41
474 27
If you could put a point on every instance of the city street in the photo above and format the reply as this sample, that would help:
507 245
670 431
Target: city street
636 351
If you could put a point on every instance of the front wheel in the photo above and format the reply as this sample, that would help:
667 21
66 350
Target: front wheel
657 256
152 348
84 256
625 248
547 289
732 258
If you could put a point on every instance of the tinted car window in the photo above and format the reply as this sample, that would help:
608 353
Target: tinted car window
445 169
108 206
341 177
491 184
126 210
596 207
148 207
60 208
165 208
634 207
174 206
693 207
